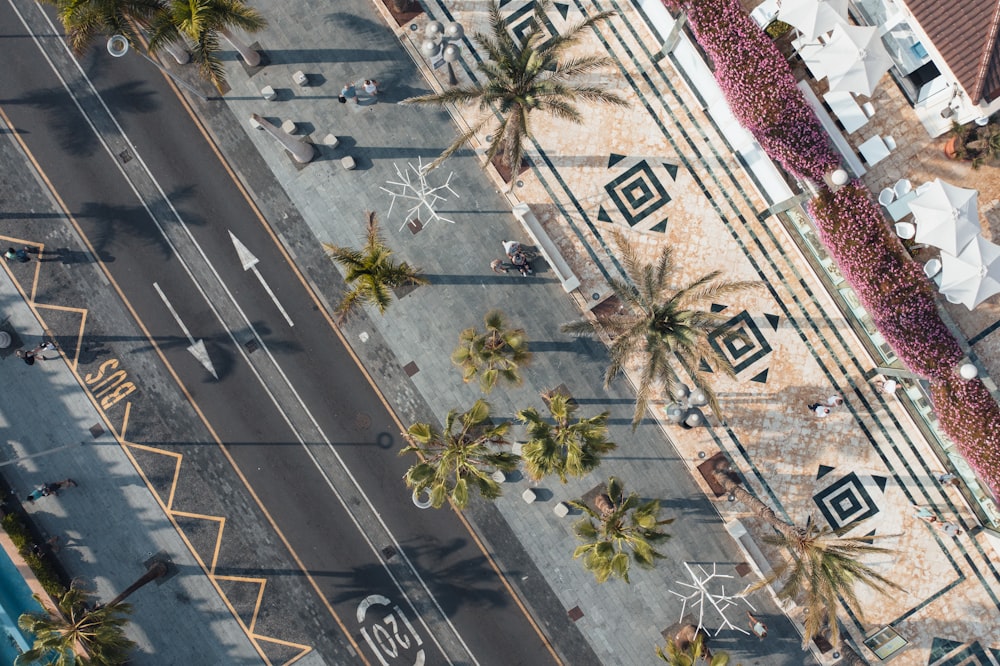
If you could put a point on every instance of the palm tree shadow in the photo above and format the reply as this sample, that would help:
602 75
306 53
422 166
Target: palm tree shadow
65 126
456 582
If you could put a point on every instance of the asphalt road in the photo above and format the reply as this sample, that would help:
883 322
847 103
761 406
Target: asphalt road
294 411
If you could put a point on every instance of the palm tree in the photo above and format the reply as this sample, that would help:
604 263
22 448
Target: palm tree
371 271
621 523
563 447
466 452
662 324
97 629
496 353
87 20
202 22
824 567
687 647
521 77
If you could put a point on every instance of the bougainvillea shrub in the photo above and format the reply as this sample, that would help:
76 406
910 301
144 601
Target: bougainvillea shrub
969 415
760 87
761 91
890 285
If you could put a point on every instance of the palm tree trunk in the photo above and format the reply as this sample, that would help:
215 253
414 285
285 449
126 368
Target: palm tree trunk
759 509
250 56
156 570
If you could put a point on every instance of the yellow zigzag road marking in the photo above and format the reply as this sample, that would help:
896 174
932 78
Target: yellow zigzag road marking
167 505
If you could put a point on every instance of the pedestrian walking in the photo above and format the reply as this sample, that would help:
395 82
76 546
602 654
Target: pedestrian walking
53 543
348 92
43 347
27 356
37 493
834 401
510 247
950 529
948 479
67 483
924 513
820 410
498 266
371 87
758 628
21 256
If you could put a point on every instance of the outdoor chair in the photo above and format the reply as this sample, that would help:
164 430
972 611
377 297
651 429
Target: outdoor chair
902 186
890 143
869 109
953 299
932 267
906 230
886 196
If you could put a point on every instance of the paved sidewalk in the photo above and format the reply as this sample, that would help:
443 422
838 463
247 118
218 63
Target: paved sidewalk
676 181
109 524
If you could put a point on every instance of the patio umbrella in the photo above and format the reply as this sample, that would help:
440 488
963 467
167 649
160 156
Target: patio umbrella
855 59
947 216
972 276
813 18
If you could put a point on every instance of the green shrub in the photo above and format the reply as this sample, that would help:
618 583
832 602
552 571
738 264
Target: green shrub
22 538
776 29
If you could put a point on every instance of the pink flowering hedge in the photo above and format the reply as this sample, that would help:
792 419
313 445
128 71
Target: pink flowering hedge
761 91
760 88
890 285
969 414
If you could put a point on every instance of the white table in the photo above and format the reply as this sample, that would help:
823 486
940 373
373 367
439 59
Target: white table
900 208
847 110
839 142
874 150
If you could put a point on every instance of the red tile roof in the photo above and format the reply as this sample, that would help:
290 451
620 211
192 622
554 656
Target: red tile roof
965 32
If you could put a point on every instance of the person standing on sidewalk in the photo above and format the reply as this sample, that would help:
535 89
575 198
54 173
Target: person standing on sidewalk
349 92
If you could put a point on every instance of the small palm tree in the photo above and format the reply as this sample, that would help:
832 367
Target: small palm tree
466 452
98 629
202 22
87 20
496 353
371 271
688 647
824 568
521 77
666 326
620 524
562 446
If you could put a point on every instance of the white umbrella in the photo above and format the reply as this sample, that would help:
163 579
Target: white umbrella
972 276
855 59
813 18
947 216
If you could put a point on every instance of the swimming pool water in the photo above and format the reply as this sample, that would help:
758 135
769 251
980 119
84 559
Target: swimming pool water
15 598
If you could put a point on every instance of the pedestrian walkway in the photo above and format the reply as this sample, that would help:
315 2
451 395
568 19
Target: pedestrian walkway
664 173
108 526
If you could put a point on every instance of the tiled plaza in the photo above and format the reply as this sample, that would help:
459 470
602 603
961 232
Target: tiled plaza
664 173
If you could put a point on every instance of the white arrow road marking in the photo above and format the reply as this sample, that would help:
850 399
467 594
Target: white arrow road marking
249 262
197 347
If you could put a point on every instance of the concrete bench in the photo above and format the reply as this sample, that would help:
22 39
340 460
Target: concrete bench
546 247
746 543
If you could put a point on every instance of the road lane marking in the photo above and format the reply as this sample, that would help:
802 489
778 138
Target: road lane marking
249 261
119 437
324 313
196 347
